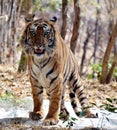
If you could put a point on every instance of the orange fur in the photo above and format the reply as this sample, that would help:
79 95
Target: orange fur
52 66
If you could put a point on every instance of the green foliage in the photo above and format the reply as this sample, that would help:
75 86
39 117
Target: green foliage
109 105
24 2
95 3
45 6
97 71
81 113
70 122
8 96
115 73
22 63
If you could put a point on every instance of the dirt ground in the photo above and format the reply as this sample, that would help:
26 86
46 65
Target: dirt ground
18 85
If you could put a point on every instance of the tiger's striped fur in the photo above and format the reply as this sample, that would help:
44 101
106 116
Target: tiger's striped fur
52 66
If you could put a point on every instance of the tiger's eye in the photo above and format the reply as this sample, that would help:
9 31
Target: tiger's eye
46 33
32 32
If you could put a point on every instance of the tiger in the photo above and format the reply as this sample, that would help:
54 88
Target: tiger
52 66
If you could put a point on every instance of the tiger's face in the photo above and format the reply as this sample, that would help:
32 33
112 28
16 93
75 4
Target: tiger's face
39 38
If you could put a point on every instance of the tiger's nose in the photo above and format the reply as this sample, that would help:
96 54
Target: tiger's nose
38 47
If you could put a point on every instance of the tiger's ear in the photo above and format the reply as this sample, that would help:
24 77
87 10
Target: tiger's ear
53 19
29 18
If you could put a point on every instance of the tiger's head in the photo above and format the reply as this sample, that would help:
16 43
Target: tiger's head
39 37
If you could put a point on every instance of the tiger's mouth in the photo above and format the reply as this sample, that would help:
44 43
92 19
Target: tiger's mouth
39 51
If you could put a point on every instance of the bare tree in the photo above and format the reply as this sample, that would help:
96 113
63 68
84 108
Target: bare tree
107 54
64 18
85 49
10 10
23 60
106 73
114 64
96 32
76 25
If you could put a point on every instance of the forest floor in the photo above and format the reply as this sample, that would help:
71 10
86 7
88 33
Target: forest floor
15 96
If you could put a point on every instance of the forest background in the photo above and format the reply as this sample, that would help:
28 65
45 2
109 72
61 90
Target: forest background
89 27
86 26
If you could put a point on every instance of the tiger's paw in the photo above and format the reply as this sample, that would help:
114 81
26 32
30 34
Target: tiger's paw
36 115
89 114
50 121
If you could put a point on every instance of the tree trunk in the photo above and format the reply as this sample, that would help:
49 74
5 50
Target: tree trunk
96 33
109 76
29 17
23 63
23 60
64 18
107 54
8 28
76 25
28 5
85 49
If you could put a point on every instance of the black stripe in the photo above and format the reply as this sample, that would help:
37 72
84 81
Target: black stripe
66 74
53 79
72 95
40 87
34 75
46 63
73 104
71 76
52 44
75 82
77 113
45 25
76 87
81 93
36 86
33 72
48 94
53 89
65 79
81 100
51 70
34 78
63 110
40 92
62 97
35 63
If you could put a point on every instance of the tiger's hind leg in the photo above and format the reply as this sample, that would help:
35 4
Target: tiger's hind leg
74 102
64 114
37 91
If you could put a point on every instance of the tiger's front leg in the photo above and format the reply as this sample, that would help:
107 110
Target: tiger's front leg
52 117
37 91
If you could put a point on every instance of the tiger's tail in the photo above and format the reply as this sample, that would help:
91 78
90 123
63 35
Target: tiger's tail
77 92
